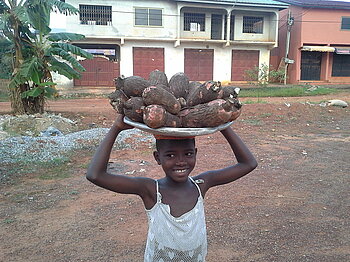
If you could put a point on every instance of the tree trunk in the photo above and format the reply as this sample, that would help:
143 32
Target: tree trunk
28 105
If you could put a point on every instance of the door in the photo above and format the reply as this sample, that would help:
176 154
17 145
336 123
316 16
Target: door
100 71
310 65
146 60
243 60
199 64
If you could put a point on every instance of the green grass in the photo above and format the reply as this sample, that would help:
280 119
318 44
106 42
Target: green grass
80 95
285 91
9 220
55 169
254 102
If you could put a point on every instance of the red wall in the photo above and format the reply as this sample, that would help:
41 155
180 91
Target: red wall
311 27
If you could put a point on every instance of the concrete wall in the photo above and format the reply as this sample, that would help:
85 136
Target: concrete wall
312 27
124 33
174 57
123 20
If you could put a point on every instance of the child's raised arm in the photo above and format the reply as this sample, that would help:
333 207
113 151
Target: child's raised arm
97 171
245 163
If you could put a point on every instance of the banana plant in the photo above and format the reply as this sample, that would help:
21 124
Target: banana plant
37 52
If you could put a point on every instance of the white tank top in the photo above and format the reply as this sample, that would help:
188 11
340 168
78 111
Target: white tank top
176 239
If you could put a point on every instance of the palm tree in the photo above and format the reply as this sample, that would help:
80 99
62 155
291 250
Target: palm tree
37 52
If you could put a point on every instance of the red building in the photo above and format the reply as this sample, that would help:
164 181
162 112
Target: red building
315 37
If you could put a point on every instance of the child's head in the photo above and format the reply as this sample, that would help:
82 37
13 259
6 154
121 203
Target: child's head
177 157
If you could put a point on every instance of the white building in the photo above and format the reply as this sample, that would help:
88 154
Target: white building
208 39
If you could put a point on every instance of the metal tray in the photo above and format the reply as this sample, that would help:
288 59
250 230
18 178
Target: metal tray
177 131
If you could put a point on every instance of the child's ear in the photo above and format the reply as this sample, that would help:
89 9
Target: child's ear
156 157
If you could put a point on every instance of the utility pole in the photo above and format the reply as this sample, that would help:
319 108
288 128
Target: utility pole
287 61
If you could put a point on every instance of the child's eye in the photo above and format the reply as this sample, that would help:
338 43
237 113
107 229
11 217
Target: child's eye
189 154
170 155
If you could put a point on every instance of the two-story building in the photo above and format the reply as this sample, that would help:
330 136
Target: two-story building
207 40
316 39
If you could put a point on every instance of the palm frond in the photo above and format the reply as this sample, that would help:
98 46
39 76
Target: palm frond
39 17
73 49
64 36
66 56
20 13
28 69
62 7
62 68
3 7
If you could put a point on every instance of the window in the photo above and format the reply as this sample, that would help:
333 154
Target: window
95 14
148 17
253 24
341 65
194 22
345 23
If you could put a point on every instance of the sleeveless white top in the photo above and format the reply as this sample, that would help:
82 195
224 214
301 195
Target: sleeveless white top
176 239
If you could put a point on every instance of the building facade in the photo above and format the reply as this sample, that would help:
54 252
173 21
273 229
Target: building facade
207 40
318 41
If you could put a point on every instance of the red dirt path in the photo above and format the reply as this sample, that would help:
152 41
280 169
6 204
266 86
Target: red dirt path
293 207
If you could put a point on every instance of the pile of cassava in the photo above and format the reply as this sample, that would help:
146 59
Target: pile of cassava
178 102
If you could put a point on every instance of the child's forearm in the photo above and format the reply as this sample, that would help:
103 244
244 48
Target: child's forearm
99 162
240 150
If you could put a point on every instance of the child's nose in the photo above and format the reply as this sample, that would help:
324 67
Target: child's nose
180 160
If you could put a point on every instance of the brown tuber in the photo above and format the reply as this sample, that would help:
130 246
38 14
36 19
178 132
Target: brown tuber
208 91
156 95
134 85
133 108
211 114
117 100
157 77
155 116
179 85
179 103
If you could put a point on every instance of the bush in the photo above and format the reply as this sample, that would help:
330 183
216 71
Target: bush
264 75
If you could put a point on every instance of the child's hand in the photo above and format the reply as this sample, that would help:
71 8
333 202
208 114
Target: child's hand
120 124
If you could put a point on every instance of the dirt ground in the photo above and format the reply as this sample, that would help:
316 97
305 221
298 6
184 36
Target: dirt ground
293 207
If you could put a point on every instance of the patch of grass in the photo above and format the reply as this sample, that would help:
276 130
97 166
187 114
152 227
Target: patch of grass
282 91
9 220
254 102
266 115
80 95
56 169
253 122
73 192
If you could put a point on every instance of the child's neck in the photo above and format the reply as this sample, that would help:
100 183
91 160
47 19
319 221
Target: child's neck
174 184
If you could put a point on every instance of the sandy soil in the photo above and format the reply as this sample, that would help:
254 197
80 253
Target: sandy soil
293 207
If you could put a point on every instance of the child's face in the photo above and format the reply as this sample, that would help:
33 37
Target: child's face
177 157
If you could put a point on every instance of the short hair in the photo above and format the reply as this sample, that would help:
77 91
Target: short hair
162 142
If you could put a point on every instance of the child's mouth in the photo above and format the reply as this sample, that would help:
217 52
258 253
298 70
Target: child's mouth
180 171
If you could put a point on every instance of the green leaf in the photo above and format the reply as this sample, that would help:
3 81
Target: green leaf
49 91
39 17
66 56
46 84
73 49
3 7
64 36
62 68
62 7
35 77
34 92
20 13
26 72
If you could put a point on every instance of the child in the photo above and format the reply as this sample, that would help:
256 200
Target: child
174 203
